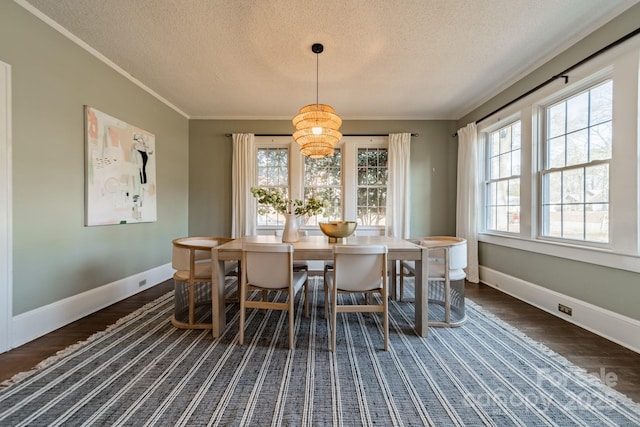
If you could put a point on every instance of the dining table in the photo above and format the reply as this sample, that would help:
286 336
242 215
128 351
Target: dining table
312 248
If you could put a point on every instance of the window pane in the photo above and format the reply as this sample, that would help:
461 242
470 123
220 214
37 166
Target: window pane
573 222
572 186
597 222
577 148
514 192
556 120
553 220
491 194
491 217
515 136
505 164
601 103
494 144
556 157
578 112
553 189
600 141
515 162
514 219
597 184
505 139
495 168
501 218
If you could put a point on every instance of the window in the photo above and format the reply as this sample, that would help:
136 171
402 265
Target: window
502 186
353 181
576 161
579 195
372 186
273 172
323 179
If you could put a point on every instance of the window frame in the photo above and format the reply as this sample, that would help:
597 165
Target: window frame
349 146
622 65
543 169
486 134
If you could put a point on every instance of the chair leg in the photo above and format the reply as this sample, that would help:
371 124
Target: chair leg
306 298
334 318
265 295
241 297
192 304
385 320
401 282
326 295
291 298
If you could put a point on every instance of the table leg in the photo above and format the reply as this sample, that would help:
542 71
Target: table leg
422 294
218 318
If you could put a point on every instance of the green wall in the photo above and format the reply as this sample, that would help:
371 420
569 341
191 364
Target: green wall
433 193
54 255
613 289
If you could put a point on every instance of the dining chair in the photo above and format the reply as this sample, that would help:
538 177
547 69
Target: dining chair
191 258
269 267
297 265
358 269
328 266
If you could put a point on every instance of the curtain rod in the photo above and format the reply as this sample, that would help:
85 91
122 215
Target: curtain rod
562 74
346 134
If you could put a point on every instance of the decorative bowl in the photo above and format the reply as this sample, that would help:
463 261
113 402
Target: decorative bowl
335 230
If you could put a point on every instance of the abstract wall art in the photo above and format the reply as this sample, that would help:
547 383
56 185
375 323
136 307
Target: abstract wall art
120 171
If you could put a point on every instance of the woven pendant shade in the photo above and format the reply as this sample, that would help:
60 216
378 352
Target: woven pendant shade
317 130
317 125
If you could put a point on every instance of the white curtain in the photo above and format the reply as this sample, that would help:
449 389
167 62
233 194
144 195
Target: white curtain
398 207
243 172
467 196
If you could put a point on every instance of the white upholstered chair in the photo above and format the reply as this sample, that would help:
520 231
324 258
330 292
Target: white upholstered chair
358 269
446 284
297 265
191 258
269 267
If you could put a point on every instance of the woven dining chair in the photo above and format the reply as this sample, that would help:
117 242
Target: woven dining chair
269 267
191 258
358 269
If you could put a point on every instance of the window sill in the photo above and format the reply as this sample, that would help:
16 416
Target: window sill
598 256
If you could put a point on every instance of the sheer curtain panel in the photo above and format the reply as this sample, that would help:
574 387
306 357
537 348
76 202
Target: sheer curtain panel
243 174
398 208
467 196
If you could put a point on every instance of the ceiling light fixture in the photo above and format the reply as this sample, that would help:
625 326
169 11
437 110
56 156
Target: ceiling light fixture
317 124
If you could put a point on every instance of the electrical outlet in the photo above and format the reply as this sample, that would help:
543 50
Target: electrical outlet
564 309
142 282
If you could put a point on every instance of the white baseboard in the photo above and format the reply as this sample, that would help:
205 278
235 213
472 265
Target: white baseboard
40 321
608 324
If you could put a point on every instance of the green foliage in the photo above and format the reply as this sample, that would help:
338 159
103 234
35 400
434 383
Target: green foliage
275 199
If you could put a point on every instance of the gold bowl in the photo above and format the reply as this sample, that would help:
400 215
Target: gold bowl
335 230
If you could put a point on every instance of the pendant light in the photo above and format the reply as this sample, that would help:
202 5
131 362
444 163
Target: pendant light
317 125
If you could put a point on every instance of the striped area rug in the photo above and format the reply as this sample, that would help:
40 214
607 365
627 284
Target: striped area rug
142 371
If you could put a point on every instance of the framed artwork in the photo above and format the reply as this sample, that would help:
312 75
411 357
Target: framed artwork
120 171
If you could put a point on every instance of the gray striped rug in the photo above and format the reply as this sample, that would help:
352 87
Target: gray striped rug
142 371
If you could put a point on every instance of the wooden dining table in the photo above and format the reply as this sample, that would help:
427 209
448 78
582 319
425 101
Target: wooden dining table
311 248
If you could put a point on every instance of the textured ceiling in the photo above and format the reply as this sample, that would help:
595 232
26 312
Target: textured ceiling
383 59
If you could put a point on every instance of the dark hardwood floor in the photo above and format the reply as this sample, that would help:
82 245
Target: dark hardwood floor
591 352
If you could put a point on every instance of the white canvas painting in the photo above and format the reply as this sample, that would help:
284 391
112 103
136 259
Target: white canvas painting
120 171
